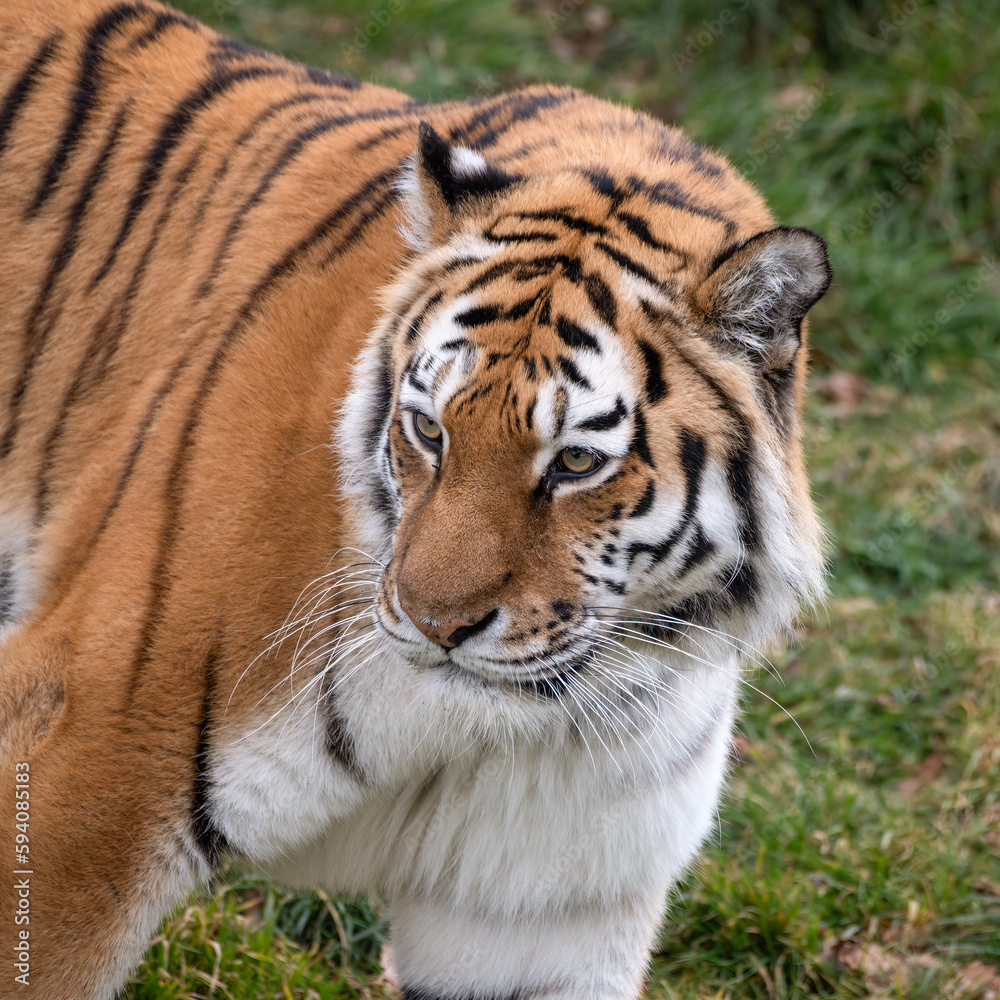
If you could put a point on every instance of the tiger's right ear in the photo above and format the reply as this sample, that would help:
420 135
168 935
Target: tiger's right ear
440 180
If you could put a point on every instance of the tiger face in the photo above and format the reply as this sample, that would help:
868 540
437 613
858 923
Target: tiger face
582 429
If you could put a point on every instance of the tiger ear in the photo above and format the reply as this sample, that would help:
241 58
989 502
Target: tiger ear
439 182
758 293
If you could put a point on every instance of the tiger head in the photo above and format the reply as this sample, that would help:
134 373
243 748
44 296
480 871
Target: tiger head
576 428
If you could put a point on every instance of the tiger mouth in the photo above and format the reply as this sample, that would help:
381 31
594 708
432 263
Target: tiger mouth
547 673
549 684
537 674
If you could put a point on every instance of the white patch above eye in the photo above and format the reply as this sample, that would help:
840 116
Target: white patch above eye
444 330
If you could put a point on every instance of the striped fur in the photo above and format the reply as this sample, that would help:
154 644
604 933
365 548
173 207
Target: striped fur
451 670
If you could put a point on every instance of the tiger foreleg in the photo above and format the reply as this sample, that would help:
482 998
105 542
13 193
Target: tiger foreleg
102 855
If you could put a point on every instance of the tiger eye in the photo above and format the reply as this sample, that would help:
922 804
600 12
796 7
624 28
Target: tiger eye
428 429
578 461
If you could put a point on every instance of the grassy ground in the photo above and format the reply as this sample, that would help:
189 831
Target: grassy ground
858 854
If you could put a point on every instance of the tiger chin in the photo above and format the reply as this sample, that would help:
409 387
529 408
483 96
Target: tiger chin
391 498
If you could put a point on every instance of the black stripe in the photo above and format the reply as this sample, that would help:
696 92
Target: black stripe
164 19
674 145
739 475
659 193
522 108
575 336
276 108
35 341
104 344
210 840
374 210
226 49
605 421
489 108
640 439
171 133
324 78
692 459
413 330
698 551
22 87
138 442
573 373
520 269
414 380
739 467
738 591
520 309
478 316
661 313
473 395
292 149
483 315
601 298
640 228
86 92
171 201
340 743
630 265
740 587
529 237
604 183
779 401
656 386
672 194
459 263
385 390
645 504
385 504
6 589
198 215
571 221
384 135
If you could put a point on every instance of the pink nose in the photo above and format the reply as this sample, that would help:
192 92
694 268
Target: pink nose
443 634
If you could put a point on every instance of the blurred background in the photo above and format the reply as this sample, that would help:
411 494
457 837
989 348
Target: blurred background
858 852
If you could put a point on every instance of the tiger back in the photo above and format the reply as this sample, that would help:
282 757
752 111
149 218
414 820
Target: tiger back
390 497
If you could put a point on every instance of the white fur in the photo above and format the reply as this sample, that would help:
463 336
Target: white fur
16 537
513 852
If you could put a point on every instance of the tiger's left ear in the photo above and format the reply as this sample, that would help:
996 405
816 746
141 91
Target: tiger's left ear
440 181
758 292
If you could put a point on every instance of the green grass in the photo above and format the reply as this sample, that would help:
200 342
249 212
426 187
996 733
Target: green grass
858 852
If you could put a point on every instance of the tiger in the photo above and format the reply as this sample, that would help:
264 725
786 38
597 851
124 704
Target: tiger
393 498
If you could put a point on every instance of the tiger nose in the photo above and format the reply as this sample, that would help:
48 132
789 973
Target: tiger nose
453 632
